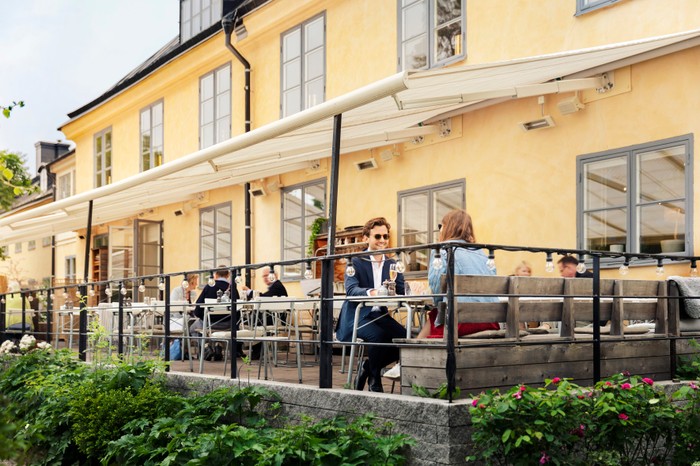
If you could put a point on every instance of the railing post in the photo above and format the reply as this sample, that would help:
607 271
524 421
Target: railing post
451 363
3 318
120 323
166 323
233 345
596 319
49 316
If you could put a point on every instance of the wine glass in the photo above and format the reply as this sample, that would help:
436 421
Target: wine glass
393 273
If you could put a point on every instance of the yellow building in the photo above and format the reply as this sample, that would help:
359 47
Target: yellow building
556 123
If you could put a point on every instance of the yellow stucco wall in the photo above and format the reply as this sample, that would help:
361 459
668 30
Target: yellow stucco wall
520 187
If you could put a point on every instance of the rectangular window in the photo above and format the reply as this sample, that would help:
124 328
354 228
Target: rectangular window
301 205
18 248
152 136
31 245
198 15
103 158
215 236
584 6
420 211
303 66
70 267
431 32
215 106
637 199
46 241
65 185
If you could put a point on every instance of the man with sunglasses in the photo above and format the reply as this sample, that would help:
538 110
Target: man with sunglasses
375 324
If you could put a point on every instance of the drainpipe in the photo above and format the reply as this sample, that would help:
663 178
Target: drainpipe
227 23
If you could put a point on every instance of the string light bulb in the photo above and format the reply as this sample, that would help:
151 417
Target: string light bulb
142 287
693 268
238 280
350 270
625 267
400 265
65 293
211 281
108 291
549 263
659 267
308 274
161 284
185 284
91 291
271 276
437 261
581 267
122 290
491 261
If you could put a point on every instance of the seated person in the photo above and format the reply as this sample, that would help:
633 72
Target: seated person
274 288
457 225
210 292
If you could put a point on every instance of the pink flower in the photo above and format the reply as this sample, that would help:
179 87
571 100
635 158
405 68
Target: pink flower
625 386
518 395
522 388
623 416
693 386
544 459
608 384
475 402
556 380
482 406
648 381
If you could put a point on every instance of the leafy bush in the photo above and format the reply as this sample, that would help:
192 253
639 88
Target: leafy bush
621 421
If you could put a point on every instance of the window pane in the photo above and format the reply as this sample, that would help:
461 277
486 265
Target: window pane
415 20
447 41
206 87
145 120
447 10
605 228
292 74
292 233
146 160
108 140
662 174
605 183
662 227
314 64
207 109
290 254
223 79
223 104
157 114
98 144
315 200
415 53
157 136
291 45
108 159
292 101
207 249
314 34
223 246
207 135
223 220
414 213
444 201
292 203
314 93
223 129
207 222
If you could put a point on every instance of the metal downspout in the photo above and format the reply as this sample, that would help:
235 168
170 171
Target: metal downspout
227 23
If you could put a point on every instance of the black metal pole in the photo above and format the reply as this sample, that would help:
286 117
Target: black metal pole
450 363
82 332
166 322
49 315
24 311
596 319
327 268
3 330
233 344
120 323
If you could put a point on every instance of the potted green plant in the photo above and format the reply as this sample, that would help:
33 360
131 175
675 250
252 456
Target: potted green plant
319 226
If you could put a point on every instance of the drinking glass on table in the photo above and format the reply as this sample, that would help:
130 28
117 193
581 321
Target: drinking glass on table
393 273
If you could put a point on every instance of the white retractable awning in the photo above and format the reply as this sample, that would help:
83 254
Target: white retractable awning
388 111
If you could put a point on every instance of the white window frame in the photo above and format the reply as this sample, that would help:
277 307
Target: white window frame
585 6
151 127
70 267
65 186
633 206
211 233
215 108
18 247
103 157
430 6
46 241
431 234
288 63
302 224
198 15
31 245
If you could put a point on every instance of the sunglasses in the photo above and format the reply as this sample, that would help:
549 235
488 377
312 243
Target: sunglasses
439 226
378 236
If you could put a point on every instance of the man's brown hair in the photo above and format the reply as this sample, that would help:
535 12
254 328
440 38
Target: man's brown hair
375 222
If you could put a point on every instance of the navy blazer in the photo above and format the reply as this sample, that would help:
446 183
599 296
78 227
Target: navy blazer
358 286
210 292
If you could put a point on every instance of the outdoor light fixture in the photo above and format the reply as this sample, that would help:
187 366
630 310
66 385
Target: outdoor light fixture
161 284
350 270
211 281
570 105
693 268
625 267
581 267
437 261
308 274
142 287
238 280
272 277
549 263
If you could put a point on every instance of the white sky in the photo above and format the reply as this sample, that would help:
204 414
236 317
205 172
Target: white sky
58 55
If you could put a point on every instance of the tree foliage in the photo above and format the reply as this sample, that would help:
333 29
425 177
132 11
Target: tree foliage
8 110
14 178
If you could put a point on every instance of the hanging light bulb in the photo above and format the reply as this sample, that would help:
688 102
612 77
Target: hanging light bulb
308 274
491 261
122 290
238 280
549 263
161 285
53 296
65 293
693 268
581 267
625 268
108 291
185 284
211 281
77 293
350 270
400 265
142 287
272 277
3 300
30 298
437 261
91 291
659 267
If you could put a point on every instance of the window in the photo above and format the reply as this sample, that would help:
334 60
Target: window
431 32
303 66
46 241
103 158
215 107
301 205
18 248
637 199
152 136
215 236
198 15
70 267
31 245
420 211
65 185
584 6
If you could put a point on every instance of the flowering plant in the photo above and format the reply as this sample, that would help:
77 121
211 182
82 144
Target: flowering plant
622 420
26 344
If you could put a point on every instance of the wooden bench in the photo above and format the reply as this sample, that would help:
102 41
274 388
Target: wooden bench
518 357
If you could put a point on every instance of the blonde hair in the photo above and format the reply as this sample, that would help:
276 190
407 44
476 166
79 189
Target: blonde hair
523 265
